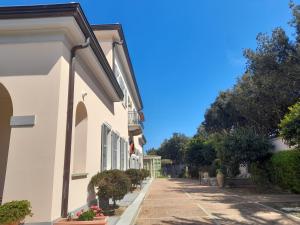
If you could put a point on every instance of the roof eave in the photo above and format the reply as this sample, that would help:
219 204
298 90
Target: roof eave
63 10
119 28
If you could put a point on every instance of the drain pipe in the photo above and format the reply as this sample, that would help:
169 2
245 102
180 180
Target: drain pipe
69 128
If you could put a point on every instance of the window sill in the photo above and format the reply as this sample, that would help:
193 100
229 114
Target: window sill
77 176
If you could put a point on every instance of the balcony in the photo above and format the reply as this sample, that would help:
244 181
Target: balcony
135 124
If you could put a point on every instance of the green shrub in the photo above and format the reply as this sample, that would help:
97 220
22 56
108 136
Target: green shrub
145 173
87 216
121 184
290 125
242 145
14 211
135 176
113 184
260 174
285 170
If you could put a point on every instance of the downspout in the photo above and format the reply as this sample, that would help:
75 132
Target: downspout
69 128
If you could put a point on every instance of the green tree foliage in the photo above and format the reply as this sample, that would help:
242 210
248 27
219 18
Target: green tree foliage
285 170
261 96
152 151
242 145
290 125
222 114
271 83
198 153
174 148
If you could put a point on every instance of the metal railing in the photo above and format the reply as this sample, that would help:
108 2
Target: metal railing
134 119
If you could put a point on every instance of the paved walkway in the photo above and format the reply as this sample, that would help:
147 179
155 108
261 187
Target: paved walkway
180 201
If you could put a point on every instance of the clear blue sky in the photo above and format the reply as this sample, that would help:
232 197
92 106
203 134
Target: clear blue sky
184 52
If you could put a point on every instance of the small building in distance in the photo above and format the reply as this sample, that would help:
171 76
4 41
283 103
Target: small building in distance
280 145
152 163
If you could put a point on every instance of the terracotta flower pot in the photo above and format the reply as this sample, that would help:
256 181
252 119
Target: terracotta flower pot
13 223
220 179
100 218
96 221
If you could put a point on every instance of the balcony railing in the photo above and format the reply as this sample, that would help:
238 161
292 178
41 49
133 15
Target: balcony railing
134 121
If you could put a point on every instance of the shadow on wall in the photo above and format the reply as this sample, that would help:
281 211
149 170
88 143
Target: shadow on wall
6 111
14 60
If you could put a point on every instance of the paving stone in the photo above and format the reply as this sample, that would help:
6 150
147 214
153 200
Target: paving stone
183 201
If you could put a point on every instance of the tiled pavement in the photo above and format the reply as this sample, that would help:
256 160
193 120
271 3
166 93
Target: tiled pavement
181 201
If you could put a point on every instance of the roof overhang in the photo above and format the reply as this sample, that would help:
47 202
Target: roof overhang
70 19
115 32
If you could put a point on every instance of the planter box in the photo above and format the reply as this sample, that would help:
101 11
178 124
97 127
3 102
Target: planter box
213 181
96 221
239 182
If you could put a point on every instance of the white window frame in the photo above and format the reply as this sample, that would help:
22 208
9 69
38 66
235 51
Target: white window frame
105 146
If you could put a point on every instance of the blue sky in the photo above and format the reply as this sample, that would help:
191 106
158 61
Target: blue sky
184 52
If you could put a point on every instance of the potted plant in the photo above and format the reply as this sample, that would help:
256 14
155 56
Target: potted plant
220 178
92 216
13 213
219 171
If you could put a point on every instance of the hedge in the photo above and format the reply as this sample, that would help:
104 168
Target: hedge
285 170
113 184
135 176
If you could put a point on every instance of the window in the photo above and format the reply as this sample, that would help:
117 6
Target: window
122 154
126 155
105 136
80 145
114 150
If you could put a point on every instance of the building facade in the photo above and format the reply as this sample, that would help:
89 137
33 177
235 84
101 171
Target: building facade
278 145
152 163
69 107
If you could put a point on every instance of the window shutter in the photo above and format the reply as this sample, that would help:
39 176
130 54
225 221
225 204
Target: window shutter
103 147
122 156
114 150
126 155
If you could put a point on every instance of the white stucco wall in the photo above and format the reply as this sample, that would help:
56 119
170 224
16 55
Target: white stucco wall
279 145
33 84
34 68
38 86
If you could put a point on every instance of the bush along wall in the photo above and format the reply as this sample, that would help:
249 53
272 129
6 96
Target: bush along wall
285 170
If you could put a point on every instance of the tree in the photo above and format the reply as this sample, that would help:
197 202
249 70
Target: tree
152 151
198 153
261 96
290 125
222 114
242 145
174 148
271 82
